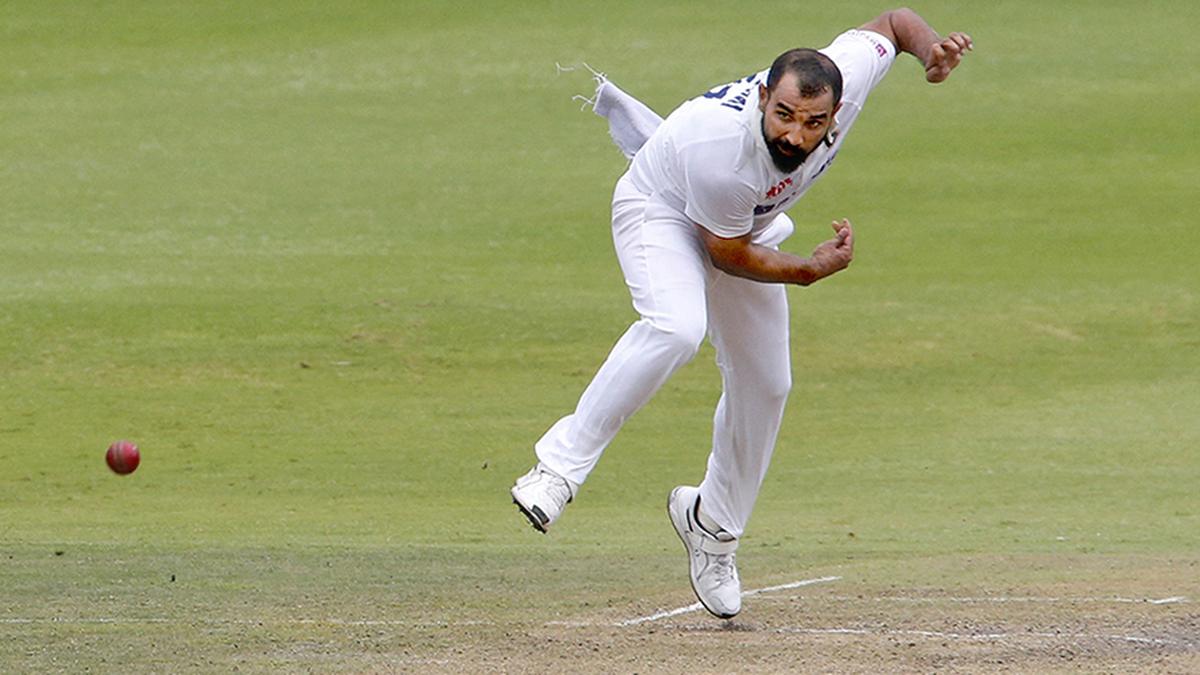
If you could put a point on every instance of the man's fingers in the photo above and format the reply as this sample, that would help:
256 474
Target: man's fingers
845 235
945 56
956 44
843 230
963 40
936 54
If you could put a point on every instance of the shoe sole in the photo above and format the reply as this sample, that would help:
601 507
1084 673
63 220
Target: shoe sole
533 518
683 540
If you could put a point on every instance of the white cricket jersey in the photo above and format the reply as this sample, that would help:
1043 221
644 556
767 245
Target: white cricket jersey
708 159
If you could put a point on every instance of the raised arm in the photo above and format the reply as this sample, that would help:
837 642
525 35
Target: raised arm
910 33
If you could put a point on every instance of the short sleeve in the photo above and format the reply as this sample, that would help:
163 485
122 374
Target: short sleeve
864 58
717 197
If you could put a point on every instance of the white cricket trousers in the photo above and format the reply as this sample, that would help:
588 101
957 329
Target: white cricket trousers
680 298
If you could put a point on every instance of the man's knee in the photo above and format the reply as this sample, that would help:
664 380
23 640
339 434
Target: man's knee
778 385
768 384
680 338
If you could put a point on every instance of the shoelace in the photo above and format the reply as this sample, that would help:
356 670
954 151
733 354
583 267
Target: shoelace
558 489
723 566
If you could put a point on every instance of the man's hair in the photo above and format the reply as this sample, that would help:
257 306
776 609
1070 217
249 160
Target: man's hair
815 73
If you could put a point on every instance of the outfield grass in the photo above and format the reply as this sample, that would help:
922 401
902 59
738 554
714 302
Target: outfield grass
335 268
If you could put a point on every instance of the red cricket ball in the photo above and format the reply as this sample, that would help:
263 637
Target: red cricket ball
123 457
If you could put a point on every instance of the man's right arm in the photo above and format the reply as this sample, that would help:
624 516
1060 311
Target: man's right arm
742 258
910 33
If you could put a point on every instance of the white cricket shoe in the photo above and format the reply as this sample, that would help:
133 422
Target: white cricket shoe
541 495
713 564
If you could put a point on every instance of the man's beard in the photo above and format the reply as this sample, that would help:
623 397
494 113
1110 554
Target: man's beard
783 162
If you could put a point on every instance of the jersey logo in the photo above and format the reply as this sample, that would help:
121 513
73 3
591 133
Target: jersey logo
775 191
879 48
737 101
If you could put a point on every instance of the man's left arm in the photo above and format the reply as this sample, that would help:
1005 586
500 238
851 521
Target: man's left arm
741 257
910 33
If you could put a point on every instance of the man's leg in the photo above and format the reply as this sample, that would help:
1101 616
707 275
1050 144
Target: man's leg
749 328
664 266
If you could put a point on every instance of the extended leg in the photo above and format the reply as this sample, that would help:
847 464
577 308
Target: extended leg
663 263
749 328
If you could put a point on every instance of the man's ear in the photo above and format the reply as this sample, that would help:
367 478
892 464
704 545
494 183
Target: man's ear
831 134
763 95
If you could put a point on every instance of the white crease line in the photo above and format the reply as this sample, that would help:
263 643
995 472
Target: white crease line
243 622
1167 601
697 606
971 636
940 635
83 620
661 615
992 599
784 587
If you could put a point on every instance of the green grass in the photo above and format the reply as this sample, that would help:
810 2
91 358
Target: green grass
336 268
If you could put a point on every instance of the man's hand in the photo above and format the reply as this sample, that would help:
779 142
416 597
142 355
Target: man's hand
834 255
945 56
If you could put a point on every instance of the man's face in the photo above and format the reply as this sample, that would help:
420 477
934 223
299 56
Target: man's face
793 126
